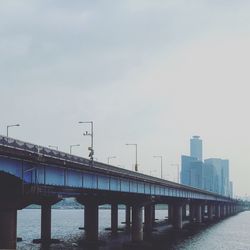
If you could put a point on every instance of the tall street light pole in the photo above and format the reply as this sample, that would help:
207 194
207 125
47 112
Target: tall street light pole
136 163
111 157
71 146
159 156
91 134
178 171
9 126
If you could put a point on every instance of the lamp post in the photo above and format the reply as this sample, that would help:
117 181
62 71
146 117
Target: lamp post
9 126
159 156
71 146
55 147
91 134
110 157
136 163
178 171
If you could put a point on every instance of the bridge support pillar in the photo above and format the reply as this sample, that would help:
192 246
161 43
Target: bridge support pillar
153 214
8 224
210 212
217 211
222 211
137 229
203 207
191 212
177 215
198 213
46 223
228 210
128 216
91 221
148 218
170 214
184 211
114 218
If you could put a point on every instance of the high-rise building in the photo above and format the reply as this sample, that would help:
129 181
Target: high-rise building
208 179
197 174
221 175
216 163
231 189
192 171
186 162
196 147
225 177
211 175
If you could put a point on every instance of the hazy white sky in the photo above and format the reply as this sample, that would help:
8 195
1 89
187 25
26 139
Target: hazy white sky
147 72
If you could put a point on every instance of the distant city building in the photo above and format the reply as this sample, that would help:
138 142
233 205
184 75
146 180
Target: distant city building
196 147
186 162
221 175
211 175
231 189
197 174
209 179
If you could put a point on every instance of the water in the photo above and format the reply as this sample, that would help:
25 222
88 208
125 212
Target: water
232 233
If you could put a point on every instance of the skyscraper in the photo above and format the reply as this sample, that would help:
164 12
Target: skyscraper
186 162
196 147
211 175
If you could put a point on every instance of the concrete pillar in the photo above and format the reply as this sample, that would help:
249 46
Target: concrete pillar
203 207
170 213
184 211
85 216
198 213
137 230
225 210
191 212
148 221
153 214
127 216
114 218
217 211
177 216
210 212
8 224
46 223
91 221
222 211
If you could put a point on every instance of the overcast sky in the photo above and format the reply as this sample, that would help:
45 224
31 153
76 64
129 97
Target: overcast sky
147 72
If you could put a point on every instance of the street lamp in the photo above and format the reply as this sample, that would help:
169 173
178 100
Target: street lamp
71 146
136 163
111 157
159 156
55 147
9 126
91 154
178 171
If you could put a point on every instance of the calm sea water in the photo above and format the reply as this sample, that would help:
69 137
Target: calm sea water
230 234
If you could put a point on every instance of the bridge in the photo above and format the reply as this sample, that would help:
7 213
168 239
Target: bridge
33 174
